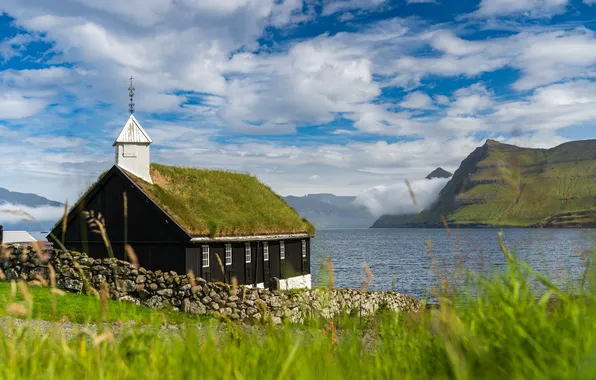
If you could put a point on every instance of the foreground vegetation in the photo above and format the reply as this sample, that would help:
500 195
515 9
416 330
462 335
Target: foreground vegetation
517 325
55 305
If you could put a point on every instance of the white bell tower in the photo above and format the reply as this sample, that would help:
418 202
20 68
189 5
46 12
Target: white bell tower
132 145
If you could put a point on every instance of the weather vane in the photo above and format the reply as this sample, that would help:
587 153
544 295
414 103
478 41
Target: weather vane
131 95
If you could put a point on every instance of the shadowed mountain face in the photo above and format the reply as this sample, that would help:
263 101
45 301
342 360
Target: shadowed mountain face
331 211
505 185
439 173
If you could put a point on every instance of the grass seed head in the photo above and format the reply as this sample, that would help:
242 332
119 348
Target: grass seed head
369 275
16 309
132 255
52 276
191 278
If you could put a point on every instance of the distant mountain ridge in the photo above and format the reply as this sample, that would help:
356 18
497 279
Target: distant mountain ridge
331 211
505 185
25 199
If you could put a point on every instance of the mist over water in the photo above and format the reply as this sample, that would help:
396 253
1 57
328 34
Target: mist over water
396 199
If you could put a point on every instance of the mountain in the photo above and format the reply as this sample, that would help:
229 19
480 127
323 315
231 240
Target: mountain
331 211
439 173
505 185
25 199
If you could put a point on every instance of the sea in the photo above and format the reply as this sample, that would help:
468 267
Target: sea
400 259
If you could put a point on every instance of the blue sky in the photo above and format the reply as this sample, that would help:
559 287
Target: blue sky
309 95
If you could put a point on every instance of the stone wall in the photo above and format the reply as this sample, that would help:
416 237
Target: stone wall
76 272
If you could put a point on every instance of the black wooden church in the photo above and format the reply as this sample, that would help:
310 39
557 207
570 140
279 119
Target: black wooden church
219 224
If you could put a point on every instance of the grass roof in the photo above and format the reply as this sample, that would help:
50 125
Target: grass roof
221 203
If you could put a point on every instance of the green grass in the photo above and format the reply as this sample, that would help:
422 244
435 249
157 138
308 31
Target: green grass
216 202
79 308
510 329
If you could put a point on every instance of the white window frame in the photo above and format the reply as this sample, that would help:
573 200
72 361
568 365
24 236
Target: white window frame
282 250
205 250
265 251
129 150
247 253
229 254
303 248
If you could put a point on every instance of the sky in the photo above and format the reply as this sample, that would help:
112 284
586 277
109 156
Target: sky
308 95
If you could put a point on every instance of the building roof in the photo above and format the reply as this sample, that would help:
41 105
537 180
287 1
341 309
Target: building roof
208 239
133 133
220 203
17 237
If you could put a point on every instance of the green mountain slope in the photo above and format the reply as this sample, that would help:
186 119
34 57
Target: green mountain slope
505 185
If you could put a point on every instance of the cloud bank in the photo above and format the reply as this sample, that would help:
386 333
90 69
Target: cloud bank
396 199
13 214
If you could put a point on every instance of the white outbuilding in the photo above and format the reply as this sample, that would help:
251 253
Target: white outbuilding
17 237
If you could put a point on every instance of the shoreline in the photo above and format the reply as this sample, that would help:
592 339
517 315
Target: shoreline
480 226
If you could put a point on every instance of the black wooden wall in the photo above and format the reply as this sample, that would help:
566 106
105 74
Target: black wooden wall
253 272
157 242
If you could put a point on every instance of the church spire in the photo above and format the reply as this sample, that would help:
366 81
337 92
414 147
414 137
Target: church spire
132 144
131 95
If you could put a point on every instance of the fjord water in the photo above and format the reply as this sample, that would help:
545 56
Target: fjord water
400 261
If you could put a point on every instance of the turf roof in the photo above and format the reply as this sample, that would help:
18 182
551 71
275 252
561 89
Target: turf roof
220 203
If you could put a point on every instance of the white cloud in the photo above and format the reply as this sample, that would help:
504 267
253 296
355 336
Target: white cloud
56 167
417 100
396 199
470 100
552 107
542 57
442 100
10 213
555 56
336 6
165 46
14 46
14 105
309 84
540 140
529 8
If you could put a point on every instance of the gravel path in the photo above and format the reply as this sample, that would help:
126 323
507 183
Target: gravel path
69 330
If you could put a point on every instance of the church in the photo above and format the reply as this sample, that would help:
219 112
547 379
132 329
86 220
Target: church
221 225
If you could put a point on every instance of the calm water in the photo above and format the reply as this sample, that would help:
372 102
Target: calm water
399 258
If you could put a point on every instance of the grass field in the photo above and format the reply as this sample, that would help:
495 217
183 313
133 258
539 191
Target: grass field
79 308
509 330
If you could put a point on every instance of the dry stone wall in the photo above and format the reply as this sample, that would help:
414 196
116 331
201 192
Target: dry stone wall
76 272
